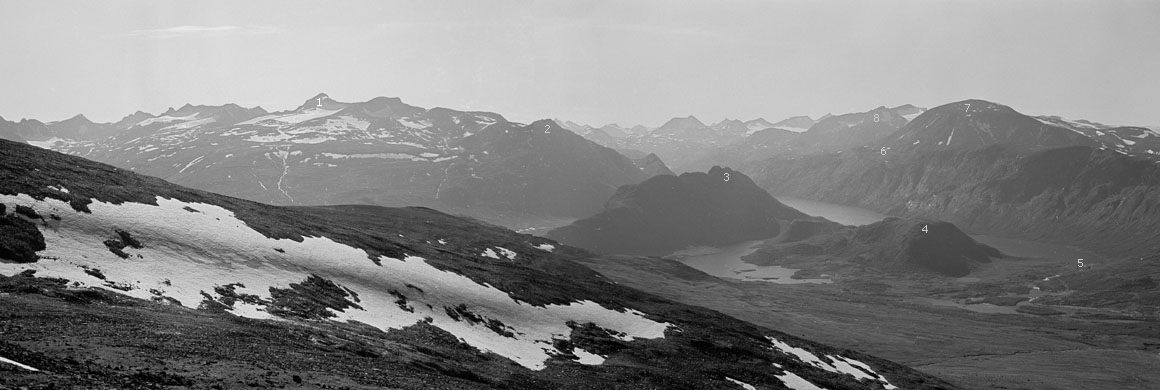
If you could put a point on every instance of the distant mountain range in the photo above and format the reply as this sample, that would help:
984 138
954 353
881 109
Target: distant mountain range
988 168
686 144
382 151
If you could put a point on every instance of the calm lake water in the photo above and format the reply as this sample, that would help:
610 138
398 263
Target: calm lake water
725 262
845 215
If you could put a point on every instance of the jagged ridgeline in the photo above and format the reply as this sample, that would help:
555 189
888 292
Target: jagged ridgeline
381 151
668 213
987 168
371 296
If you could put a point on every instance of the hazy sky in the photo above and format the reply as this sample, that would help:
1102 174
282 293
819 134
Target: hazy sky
593 62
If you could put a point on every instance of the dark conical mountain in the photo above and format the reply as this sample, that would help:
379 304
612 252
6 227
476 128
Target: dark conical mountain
668 213
891 245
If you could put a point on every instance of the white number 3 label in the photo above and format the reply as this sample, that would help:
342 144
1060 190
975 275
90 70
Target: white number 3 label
726 176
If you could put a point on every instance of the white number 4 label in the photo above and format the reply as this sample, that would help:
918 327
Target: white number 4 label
925 229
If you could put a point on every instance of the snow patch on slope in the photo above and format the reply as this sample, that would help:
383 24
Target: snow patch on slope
587 357
795 382
840 365
17 364
46 144
743 385
188 252
166 119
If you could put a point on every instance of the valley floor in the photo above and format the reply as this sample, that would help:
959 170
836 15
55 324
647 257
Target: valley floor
1073 350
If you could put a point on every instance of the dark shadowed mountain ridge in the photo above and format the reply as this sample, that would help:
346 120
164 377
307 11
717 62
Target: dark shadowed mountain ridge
669 213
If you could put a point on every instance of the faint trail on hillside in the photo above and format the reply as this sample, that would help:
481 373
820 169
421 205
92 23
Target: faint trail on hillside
439 189
284 155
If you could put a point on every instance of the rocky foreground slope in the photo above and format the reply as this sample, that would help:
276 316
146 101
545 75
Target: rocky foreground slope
669 213
143 284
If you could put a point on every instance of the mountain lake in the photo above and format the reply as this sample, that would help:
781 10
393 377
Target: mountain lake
725 261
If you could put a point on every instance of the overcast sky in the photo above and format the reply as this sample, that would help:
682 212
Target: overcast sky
594 62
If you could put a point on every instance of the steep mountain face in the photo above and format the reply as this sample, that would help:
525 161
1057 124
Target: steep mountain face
652 165
381 151
1098 199
375 290
891 245
669 213
973 124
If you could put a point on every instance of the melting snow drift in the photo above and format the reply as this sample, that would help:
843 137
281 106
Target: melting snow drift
191 248
839 365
